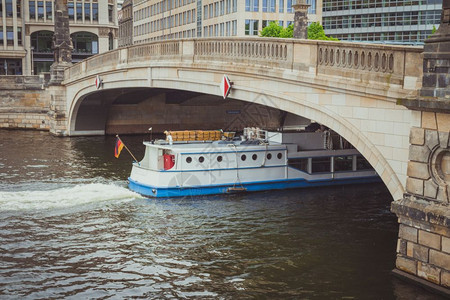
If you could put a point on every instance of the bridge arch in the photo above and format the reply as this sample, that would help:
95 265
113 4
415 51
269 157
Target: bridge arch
357 102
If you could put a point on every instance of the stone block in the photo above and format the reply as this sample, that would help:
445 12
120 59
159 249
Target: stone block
443 194
406 264
417 136
430 189
429 120
419 153
446 244
407 233
417 251
445 278
418 170
414 186
443 122
444 139
440 259
430 239
431 138
402 246
428 272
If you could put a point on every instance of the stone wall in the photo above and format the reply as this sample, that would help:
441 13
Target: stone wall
24 102
423 248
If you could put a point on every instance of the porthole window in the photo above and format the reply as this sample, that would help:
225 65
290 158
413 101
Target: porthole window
219 158
269 155
243 157
201 159
188 159
279 155
254 156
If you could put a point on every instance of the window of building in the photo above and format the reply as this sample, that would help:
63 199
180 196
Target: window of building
234 5
19 36
40 11
10 36
1 37
85 43
281 6
289 6
251 27
48 9
10 66
71 10
87 11
95 11
18 8
9 8
312 7
251 5
1 8
79 11
110 13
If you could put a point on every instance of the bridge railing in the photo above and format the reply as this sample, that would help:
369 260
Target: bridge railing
384 64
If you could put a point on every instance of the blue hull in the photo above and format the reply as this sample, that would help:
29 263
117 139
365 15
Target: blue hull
151 191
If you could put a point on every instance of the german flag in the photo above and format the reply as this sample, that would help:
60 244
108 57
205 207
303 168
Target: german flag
118 148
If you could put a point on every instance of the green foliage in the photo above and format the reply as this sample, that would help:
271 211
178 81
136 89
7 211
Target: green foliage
316 32
272 30
275 30
433 30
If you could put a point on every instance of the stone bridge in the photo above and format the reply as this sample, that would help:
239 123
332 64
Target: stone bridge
348 87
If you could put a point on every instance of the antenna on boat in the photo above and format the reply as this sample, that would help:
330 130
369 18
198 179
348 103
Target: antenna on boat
151 133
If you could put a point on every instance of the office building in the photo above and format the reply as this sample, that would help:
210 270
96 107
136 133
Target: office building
381 21
172 19
26 32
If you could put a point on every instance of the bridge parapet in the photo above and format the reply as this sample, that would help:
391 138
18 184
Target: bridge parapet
382 65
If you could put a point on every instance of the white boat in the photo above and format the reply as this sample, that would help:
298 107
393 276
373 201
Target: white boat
204 163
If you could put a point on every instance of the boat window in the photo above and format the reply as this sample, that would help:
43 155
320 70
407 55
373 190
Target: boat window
362 163
279 155
219 158
188 159
269 155
254 156
201 159
343 163
321 164
243 157
299 163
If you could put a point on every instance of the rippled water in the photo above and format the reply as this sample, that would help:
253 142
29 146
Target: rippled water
69 228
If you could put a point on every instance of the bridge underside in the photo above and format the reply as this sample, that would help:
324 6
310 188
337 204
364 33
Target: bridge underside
134 110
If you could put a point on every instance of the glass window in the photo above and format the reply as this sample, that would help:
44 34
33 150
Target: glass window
1 37
289 6
281 6
243 157
18 8
10 35
299 163
79 11
95 11
87 11
85 43
110 13
40 10
48 9
1 8
343 163
362 163
19 36
32 10
321 164
9 8
70 7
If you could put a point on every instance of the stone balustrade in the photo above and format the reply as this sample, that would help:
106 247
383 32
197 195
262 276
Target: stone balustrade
383 64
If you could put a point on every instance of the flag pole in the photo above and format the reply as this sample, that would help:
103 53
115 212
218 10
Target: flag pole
128 149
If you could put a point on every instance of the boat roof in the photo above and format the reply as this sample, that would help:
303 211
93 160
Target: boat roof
206 147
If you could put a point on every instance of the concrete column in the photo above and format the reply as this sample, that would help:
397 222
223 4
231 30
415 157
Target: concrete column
423 249
300 19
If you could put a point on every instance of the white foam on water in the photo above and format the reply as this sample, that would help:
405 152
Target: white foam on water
64 197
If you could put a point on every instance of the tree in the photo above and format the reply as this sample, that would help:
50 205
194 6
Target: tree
272 30
316 32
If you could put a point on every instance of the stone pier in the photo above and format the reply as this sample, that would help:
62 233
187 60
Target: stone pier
423 250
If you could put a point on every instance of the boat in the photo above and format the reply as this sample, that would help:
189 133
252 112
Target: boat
195 162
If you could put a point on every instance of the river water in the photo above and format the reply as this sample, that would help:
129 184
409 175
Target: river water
70 228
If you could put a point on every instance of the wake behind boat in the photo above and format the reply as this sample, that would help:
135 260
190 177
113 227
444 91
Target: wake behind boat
212 162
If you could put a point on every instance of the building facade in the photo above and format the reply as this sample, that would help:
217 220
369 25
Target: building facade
171 19
27 26
126 24
381 21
